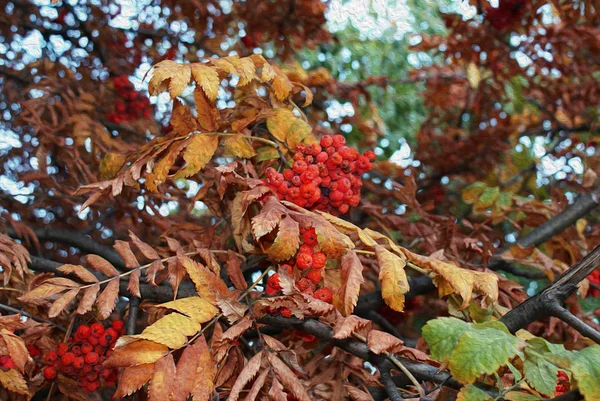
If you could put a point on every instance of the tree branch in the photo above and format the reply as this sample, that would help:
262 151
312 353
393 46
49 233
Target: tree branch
84 243
542 304
573 321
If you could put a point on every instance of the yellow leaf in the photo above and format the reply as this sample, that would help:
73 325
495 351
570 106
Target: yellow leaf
207 78
198 153
206 282
169 75
473 75
161 169
282 87
238 146
13 381
111 164
136 353
394 283
181 119
287 242
267 73
288 128
332 242
172 330
243 67
198 309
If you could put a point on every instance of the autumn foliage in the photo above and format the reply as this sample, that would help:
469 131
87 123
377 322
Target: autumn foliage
212 201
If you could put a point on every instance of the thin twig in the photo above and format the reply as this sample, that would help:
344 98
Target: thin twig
586 330
30 316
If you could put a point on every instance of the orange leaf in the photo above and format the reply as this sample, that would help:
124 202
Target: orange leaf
352 278
16 349
345 327
379 341
136 353
287 242
245 376
126 253
85 275
132 379
234 271
205 372
162 379
88 298
145 249
102 265
268 218
208 114
288 378
183 382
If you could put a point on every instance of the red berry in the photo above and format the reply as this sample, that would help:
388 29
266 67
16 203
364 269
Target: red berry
326 140
271 291
49 373
78 362
336 196
322 157
324 294
299 166
339 141
305 248
97 329
303 284
67 359
285 312
288 174
93 340
310 237
61 348
86 348
314 276
112 333
305 336
92 358
84 331
304 261
76 349
286 268
344 208
33 350
273 281
336 159
319 260
50 358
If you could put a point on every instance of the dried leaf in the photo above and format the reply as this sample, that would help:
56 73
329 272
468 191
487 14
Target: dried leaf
16 349
13 381
205 372
207 78
132 379
234 271
238 146
346 296
379 341
231 308
356 394
245 376
126 253
345 327
59 305
102 265
134 283
136 353
88 299
244 67
107 299
206 282
170 75
85 275
146 250
257 386
208 114
288 378
162 379
198 153
183 382
268 218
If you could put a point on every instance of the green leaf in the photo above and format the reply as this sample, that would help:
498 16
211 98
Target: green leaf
442 335
266 153
586 371
515 372
482 350
540 373
487 198
472 393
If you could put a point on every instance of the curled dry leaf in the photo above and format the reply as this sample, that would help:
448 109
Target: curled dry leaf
346 326
132 379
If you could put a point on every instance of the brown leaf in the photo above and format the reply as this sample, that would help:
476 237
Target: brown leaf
102 265
257 386
276 392
61 303
352 278
288 378
222 344
183 382
162 379
208 114
126 253
85 275
287 241
182 119
132 379
345 327
205 372
136 353
268 218
379 341
107 299
231 308
151 271
245 376
134 283
198 153
16 349
206 282
88 299
234 271
356 394
146 250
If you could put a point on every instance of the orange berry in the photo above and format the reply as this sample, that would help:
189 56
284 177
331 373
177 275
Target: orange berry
310 237
286 268
324 294
304 261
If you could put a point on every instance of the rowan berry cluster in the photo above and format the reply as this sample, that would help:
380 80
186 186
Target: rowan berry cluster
594 278
324 176
562 383
6 361
507 12
307 269
131 104
81 359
